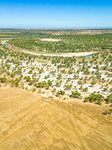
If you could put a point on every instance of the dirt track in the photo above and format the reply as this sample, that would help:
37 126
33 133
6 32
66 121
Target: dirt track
30 122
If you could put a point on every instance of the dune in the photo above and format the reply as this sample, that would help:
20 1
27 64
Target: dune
31 122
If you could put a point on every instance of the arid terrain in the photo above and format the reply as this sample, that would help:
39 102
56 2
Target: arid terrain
31 122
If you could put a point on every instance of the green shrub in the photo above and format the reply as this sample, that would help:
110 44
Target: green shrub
86 99
75 94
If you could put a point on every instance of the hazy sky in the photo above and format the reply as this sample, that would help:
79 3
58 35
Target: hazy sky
56 13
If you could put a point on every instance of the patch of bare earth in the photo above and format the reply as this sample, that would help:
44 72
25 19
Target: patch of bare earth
62 55
30 122
51 40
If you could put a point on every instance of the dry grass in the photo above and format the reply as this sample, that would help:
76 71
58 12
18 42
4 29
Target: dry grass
30 122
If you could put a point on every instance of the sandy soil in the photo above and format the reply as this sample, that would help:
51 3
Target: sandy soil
30 122
63 54
50 40
3 42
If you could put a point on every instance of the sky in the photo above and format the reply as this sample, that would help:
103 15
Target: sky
56 13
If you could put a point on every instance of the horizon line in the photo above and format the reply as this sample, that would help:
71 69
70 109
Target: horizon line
55 27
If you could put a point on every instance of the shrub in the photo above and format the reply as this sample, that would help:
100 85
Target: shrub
16 83
57 94
110 110
86 99
106 112
85 89
34 90
93 83
110 89
64 98
42 84
58 84
94 97
105 89
75 94
60 93
99 101
49 82
109 98
68 87
59 76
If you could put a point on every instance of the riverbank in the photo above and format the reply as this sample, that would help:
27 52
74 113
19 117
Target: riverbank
61 55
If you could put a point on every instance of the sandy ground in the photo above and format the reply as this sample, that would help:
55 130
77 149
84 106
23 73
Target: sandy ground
30 122
3 42
50 40
63 54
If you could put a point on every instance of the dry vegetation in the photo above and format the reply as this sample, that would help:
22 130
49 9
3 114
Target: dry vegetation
30 122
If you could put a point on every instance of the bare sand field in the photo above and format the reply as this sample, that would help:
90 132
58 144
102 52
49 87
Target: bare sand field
3 42
31 122
50 40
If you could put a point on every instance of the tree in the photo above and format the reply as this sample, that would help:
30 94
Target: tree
59 76
96 97
75 94
49 82
68 87
60 93
86 99
99 101
106 112
17 83
58 84
85 89
109 98
93 83
3 80
105 89
110 89
34 89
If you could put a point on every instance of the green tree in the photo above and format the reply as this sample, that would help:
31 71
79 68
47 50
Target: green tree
75 94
